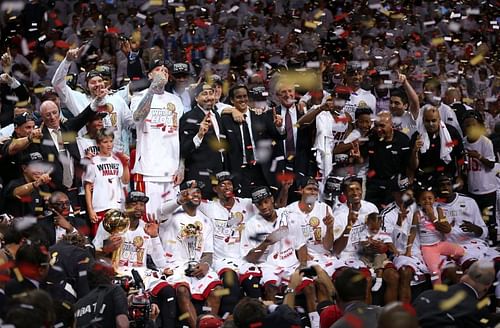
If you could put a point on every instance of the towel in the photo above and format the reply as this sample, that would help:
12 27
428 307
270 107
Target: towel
444 136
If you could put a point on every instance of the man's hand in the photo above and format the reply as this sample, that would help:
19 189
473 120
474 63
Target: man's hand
178 177
419 143
201 270
160 79
328 221
42 180
152 227
403 214
74 53
277 119
473 154
61 221
124 159
155 312
258 111
93 216
125 47
115 241
168 272
205 125
184 197
468 226
238 116
36 134
295 279
6 61
5 78
402 78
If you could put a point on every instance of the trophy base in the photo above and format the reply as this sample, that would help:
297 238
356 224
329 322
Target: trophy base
191 267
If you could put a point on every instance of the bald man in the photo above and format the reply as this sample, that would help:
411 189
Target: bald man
467 312
389 155
58 145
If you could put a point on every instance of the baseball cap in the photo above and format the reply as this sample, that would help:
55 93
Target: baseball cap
192 184
305 181
158 62
201 87
104 70
215 79
30 158
260 193
137 196
48 94
400 183
91 74
180 68
23 118
224 176
332 187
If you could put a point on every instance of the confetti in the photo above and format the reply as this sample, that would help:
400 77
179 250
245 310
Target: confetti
453 301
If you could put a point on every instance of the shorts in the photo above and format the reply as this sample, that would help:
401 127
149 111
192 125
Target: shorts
199 288
158 192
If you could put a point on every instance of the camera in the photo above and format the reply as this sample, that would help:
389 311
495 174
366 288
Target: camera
139 310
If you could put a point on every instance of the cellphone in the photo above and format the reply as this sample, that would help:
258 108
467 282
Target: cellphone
309 272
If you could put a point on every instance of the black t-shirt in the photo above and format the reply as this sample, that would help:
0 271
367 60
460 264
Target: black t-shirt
32 204
431 165
114 303
388 159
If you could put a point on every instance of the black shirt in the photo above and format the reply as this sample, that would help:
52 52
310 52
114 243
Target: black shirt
388 158
31 204
114 302
431 165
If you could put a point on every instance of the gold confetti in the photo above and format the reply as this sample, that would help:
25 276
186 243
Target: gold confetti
156 2
453 301
39 90
311 24
184 316
484 321
69 137
180 9
50 158
477 59
441 287
437 41
18 274
319 14
484 302
222 292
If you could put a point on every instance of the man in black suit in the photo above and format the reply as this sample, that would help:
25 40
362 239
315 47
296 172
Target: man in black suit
254 151
460 304
58 144
58 222
202 139
299 141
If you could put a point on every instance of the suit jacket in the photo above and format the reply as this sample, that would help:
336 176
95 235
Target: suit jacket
51 154
49 228
207 155
464 314
264 133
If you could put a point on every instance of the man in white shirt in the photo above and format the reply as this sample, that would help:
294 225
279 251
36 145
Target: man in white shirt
353 78
157 115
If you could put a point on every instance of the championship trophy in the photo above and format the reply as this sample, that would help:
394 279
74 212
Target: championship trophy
190 235
116 222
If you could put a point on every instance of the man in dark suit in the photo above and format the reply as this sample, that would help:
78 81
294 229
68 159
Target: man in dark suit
59 222
254 151
460 304
202 139
58 144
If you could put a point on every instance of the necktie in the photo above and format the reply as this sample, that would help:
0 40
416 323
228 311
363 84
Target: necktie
247 142
65 160
289 143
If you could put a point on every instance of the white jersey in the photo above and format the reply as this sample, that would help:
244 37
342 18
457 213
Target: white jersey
136 245
357 231
158 148
461 209
480 179
281 253
405 123
330 131
312 226
228 225
400 234
174 234
356 97
87 146
105 174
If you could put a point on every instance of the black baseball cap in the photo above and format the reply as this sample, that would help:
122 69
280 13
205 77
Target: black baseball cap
23 118
91 74
158 62
305 181
223 176
180 69
192 184
202 87
260 193
137 196
400 183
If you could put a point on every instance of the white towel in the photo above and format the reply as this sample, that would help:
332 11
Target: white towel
444 136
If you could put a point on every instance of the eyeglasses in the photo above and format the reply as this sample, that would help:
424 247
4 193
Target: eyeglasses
62 204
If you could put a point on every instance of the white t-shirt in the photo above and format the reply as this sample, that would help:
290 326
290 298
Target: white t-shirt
358 96
400 234
172 233
480 179
461 209
105 173
87 145
358 229
136 245
405 123
312 226
228 225
281 253
427 231
329 133
158 149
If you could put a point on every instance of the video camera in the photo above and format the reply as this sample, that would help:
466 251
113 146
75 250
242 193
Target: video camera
139 308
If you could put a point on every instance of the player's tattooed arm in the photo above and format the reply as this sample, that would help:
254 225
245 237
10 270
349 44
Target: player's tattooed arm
144 107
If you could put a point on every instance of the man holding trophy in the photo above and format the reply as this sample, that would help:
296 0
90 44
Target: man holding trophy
130 239
187 236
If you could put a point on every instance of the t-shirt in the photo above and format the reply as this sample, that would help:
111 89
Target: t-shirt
29 205
355 98
105 173
87 145
312 226
388 158
158 137
281 253
427 231
400 234
114 303
480 179
358 228
405 123
185 238
228 225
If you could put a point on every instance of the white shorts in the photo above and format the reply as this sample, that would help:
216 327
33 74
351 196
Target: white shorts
328 264
275 275
414 262
199 288
158 192
242 268
477 250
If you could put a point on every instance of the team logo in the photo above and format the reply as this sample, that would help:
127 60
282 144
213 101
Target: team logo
138 243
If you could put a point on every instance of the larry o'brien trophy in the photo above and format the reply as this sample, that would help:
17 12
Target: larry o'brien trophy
190 235
116 222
